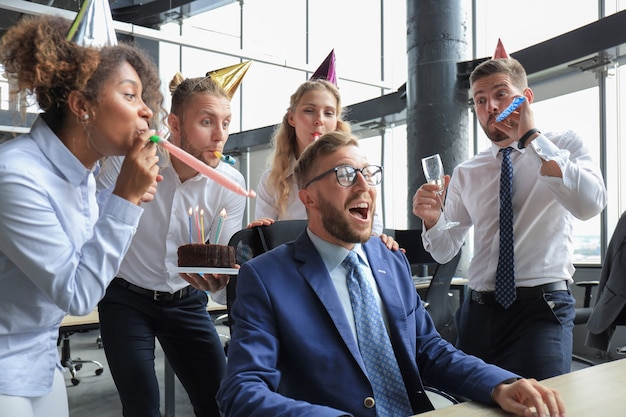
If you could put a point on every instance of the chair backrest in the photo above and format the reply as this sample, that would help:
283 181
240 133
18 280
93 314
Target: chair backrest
280 232
411 241
437 299
253 242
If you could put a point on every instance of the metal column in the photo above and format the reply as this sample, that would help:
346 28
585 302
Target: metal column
437 117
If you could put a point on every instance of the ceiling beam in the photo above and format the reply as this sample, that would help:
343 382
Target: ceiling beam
554 54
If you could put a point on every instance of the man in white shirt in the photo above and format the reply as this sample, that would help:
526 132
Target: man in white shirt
553 181
149 300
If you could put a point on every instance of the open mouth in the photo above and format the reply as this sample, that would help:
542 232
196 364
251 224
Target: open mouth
360 210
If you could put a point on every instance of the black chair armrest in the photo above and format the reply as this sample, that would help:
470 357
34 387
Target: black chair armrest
588 286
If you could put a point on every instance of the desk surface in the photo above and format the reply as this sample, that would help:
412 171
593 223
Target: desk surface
594 391
423 284
76 321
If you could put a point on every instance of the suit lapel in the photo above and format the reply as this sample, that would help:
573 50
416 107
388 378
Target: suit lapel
314 272
386 282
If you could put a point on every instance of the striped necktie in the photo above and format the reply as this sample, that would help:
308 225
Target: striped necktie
375 346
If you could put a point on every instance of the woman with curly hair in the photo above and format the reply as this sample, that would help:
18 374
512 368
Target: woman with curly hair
59 250
314 109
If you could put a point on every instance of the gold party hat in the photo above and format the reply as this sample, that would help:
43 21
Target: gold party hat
93 25
230 77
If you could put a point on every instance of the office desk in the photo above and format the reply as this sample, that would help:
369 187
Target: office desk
593 391
78 323
457 283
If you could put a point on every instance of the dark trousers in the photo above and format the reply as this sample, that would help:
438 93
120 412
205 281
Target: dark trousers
129 324
532 338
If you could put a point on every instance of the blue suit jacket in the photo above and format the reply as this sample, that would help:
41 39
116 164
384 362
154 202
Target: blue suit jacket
292 352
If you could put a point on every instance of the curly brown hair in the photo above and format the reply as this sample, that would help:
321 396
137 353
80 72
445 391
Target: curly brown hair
39 59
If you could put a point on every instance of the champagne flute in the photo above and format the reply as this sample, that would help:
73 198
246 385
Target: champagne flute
433 171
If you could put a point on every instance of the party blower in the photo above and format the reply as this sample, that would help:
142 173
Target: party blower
202 167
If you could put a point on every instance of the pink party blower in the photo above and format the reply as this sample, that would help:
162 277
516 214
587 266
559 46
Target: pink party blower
202 167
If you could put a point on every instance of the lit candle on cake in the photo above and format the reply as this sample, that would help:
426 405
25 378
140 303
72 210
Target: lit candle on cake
202 224
190 214
220 223
198 226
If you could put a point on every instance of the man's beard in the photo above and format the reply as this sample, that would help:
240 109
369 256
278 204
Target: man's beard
496 135
196 153
338 226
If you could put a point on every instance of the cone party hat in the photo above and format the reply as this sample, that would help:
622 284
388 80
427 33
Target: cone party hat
326 70
93 25
230 77
500 52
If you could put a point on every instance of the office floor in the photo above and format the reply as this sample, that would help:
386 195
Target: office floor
96 395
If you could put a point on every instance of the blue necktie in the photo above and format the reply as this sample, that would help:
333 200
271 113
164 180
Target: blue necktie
375 346
505 276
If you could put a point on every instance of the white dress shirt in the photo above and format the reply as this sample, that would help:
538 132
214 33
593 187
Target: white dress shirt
57 253
153 256
543 210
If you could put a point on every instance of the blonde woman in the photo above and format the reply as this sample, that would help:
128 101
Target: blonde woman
314 109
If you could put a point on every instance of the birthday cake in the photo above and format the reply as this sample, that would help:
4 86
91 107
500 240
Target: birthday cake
212 256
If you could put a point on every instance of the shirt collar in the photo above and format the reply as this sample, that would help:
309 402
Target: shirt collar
58 154
333 255
495 149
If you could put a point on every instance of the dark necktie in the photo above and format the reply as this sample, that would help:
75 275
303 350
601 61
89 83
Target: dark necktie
375 346
505 276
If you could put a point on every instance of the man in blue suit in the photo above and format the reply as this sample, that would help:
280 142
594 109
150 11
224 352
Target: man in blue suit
294 349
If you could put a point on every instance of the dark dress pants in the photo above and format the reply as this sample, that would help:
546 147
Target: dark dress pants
129 324
532 338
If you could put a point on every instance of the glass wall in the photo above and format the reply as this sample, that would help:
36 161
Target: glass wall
587 102
288 39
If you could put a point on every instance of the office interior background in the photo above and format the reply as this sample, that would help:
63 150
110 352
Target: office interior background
573 50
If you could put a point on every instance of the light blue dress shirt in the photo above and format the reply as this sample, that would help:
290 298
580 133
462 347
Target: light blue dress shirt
57 253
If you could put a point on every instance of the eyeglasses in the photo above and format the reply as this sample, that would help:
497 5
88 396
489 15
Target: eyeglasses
346 175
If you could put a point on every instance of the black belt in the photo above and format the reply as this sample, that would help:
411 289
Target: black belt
523 293
152 294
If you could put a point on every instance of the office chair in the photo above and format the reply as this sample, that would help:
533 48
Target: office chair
69 326
411 241
437 299
583 313
250 243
